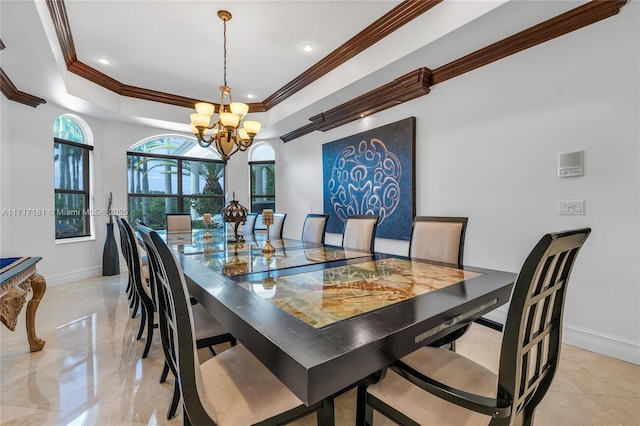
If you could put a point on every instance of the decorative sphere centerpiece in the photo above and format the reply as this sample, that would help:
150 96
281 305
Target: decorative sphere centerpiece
236 214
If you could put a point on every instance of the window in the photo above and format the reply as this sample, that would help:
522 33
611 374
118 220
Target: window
263 178
174 174
71 161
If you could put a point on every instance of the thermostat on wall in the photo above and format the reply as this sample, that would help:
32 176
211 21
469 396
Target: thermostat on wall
571 164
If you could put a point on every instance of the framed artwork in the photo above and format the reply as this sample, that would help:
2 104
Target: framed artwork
372 172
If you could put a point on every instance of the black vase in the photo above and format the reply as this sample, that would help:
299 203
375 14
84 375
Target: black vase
110 258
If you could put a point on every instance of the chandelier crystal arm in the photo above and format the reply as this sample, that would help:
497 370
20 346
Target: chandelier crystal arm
227 136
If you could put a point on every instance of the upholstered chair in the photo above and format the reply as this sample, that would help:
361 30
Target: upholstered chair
249 224
359 232
275 230
314 228
232 388
440 239
179 222
139 277
207 330
435 386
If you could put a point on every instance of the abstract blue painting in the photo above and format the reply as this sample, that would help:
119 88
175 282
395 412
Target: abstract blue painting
372 172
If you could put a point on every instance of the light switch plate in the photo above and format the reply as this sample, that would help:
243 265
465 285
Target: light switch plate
575 207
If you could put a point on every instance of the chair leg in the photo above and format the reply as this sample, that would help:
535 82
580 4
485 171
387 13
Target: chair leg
175 400
165 372
150 327
143 320
186 421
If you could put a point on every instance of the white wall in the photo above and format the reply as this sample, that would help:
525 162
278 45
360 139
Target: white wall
487 146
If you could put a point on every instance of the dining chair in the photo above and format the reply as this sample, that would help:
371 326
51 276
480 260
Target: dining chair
360 232
142 290
275 230
208 331
440 239
250 223
232 388
441 387
130 290
179 222
314 228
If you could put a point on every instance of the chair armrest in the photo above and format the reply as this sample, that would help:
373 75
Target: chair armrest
481 404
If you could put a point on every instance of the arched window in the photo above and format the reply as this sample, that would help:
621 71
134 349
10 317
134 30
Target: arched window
262 167
71 164
170 173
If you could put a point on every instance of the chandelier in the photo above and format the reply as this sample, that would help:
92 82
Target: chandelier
226 132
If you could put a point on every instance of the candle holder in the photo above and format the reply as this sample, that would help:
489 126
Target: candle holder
267 220
207 221
236 214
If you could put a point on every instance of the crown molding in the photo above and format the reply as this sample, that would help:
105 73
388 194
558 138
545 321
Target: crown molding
11 92
390 22
397 17
404 88
560 25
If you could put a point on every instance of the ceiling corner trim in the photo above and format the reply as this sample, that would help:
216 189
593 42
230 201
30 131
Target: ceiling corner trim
11 92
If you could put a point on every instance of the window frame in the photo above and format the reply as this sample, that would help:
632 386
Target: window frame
251 184
86 185
179 195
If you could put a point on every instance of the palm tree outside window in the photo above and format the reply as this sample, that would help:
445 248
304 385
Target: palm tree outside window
168 174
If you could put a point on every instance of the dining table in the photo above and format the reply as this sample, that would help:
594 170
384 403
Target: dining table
322 317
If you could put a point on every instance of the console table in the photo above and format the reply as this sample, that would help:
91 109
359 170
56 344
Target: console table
18 275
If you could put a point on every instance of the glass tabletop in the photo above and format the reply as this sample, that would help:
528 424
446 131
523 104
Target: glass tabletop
323 297
249 258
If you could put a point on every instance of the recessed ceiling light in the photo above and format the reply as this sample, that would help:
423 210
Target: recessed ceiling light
307 47
251 95
103 60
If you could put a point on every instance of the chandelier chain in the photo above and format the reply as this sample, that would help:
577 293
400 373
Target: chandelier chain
224 36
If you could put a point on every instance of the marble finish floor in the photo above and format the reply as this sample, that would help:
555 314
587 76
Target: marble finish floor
90 371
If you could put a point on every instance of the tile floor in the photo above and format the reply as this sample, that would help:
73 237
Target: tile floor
90 371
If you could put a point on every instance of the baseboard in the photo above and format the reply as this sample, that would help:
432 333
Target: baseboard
613 346
55 280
